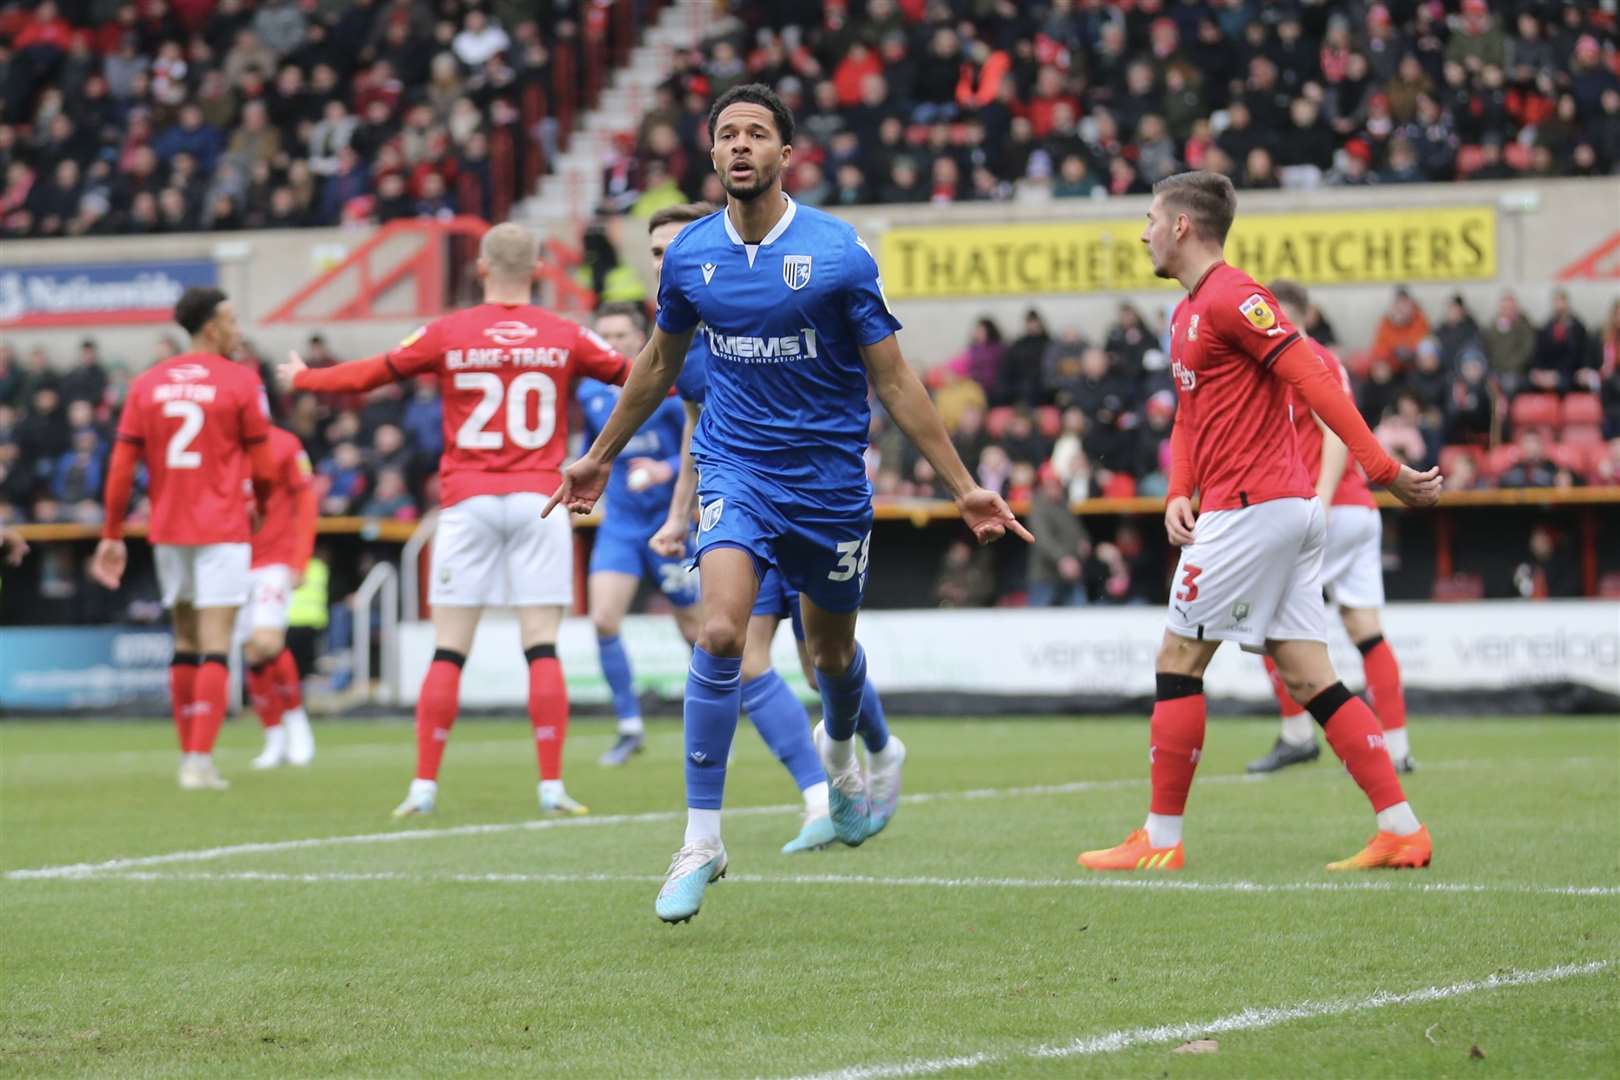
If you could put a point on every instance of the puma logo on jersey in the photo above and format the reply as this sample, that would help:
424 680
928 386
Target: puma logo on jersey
510 332
708 272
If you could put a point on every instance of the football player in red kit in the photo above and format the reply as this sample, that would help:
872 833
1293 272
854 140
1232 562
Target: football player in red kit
197 421
506 371
1251 560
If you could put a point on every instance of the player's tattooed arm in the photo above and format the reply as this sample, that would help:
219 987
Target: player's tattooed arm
654 373
907 402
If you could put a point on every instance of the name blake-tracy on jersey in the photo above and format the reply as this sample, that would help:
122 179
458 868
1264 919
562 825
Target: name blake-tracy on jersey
508 352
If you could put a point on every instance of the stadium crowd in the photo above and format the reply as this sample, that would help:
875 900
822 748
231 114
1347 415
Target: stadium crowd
158 116
903 101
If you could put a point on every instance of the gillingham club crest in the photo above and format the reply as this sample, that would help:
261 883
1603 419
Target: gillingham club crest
796 271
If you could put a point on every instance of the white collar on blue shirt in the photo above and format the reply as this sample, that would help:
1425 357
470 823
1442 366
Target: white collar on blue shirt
776 230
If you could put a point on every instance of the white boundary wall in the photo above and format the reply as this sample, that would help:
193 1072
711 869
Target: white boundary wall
1090 651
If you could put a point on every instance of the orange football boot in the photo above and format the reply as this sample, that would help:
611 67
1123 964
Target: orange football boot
1136 853
1388 851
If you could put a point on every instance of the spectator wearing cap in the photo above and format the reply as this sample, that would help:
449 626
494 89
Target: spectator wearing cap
1058 556
1561 348
1401 328
1510 343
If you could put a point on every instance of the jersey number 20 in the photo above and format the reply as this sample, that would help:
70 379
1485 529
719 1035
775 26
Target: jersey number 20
472 434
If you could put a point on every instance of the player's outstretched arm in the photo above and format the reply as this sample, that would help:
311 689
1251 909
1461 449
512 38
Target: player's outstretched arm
352 377
670 539
903 395
1304 371
654 373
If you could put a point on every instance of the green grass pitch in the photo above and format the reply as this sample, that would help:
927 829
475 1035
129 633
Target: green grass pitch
963 941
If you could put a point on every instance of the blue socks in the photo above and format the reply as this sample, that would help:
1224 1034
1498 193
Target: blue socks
873 728
713 700
842 697
616 670
780 720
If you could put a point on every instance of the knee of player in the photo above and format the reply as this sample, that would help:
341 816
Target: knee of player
1180 656
721 637
833 657
1303 685
607 624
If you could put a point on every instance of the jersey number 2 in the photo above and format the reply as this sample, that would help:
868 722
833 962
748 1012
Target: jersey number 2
179 455
472 434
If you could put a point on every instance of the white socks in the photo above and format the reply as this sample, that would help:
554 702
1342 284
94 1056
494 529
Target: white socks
424 787
840 752
631 725
702 827
815 800
1164 830
552 789
1396 742
892 752
1299 730
1398 819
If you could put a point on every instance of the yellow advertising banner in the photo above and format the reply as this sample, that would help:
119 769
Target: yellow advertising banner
1330 248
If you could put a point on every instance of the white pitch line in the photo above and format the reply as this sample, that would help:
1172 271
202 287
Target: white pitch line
85 869
913 881
1251 1019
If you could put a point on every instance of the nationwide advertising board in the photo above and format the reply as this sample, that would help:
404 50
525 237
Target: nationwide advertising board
98 294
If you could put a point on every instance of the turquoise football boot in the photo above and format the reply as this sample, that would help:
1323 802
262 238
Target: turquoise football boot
691 871
846 795
817 833
883 784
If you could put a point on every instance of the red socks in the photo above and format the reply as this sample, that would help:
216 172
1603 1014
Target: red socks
182 687
262 693
548 708
1177 739
1285 702
1383 682
436 708
208 702
1352 730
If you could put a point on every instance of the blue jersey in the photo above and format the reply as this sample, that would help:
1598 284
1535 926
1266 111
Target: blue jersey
782 326
660 437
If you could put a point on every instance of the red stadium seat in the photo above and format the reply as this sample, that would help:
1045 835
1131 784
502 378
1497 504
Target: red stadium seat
1583 409
1566 456
1459 588
1501 459
997 419
1582 435
1049 418
1517 156
1534 410
1469 159
1120 486
1609 586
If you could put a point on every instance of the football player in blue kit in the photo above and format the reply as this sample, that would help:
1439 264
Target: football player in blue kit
634 506
788 301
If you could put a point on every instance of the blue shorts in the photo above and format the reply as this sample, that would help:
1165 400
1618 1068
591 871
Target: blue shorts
780 600
627 553
818 552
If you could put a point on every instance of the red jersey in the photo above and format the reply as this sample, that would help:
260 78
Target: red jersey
1232 409
193 419
506 374
1352 489
285 538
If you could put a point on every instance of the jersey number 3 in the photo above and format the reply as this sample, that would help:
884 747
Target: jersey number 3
1190 580
179 454
473 435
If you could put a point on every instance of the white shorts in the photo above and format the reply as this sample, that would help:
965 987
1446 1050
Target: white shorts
1353 566
497 551
268 600
203 575
1253 575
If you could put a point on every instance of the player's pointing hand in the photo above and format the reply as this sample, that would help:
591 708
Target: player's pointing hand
1416 488
285 373
582 484
989 516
